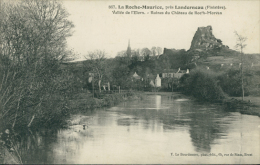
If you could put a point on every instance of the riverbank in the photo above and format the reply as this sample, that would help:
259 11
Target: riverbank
80 102
250 105
208 86
85 101
254 100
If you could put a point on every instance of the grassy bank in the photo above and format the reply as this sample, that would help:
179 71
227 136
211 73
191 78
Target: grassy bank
79 102
250 105
85 101
207 86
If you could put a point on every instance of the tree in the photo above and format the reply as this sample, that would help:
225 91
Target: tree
145 52
35 30
240 45
33 43
230 82
159 50
121 53
156 50
153 50
97 64
121 75
135 56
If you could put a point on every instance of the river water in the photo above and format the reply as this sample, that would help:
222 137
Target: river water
158 129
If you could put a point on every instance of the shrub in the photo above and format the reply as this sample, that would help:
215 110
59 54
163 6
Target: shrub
231 83
202 85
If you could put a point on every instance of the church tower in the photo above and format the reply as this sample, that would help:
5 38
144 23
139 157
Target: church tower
128 51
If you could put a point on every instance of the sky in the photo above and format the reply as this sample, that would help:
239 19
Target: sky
96 27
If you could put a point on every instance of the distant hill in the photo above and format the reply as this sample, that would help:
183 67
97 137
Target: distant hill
205 51
208 51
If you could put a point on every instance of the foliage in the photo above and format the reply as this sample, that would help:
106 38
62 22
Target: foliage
230 82
33 36
105 100
99 67
121 73
202 85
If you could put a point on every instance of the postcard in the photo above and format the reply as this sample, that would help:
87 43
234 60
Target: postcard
130 82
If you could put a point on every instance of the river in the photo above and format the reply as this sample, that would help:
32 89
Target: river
158 129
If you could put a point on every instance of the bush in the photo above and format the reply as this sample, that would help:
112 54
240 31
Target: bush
231 83
33 89
202 85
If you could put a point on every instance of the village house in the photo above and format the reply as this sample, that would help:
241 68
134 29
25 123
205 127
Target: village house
158 81
168 73
174 73
136 76
172 76
148 81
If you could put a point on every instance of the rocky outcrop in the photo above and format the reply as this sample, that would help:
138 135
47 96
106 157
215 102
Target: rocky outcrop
204 39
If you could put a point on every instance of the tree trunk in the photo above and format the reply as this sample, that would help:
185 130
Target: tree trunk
93 86
108 86
243 92
99 85
31 121
242 77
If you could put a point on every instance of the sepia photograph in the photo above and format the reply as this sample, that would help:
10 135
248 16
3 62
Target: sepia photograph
129 82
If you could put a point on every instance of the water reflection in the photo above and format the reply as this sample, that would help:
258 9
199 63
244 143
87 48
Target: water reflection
158 100
145 131
201 120
34 146
203 131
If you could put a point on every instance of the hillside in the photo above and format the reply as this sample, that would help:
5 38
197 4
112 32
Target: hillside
209 52
227 59
206 51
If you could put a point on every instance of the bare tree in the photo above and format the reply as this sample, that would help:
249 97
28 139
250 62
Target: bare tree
97 64
153 50
159 50
34 30
33 40
121 53
240 45
156 50
145 52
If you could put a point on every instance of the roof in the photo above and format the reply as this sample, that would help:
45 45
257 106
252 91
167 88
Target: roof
136 76
169 70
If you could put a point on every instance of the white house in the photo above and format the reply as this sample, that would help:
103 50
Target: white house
158 81
171 73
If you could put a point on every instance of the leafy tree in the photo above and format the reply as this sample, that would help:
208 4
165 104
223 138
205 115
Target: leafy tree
202 85
230 83
121 73
135 55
